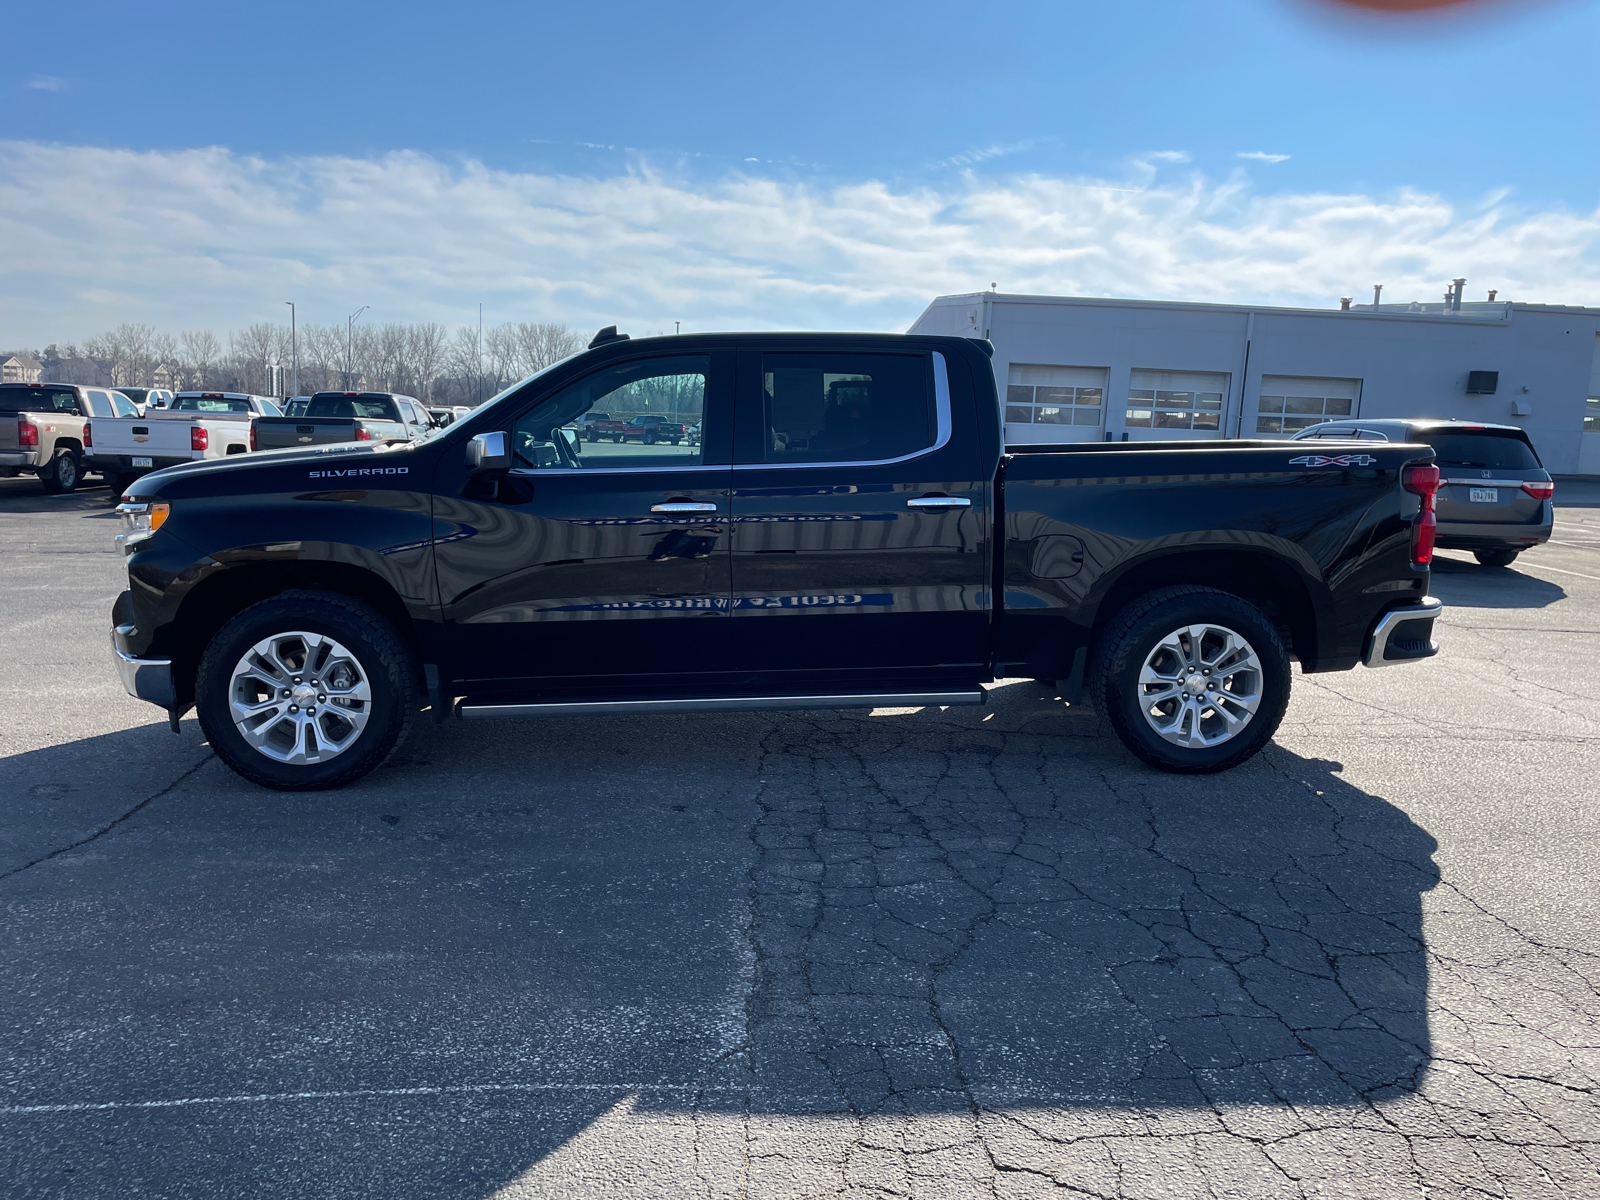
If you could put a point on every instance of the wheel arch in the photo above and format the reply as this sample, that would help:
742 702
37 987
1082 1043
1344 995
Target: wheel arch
223 594
1277 586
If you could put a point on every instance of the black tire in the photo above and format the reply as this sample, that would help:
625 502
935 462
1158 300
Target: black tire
593 436
1496 558
1135 634
377 648
675 441
62 474
649 439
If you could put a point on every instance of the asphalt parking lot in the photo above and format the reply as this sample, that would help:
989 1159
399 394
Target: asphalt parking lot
911 953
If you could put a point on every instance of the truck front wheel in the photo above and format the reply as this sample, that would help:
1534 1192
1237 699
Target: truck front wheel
306 690
61 474
1191 679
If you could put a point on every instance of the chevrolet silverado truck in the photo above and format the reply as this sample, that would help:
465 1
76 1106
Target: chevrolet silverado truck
43 429
194 426
820 547
331 417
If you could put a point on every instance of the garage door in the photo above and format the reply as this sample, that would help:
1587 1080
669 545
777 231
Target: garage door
1048 403
1290 403
1175 404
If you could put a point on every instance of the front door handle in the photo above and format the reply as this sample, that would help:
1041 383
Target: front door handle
682 506
939 502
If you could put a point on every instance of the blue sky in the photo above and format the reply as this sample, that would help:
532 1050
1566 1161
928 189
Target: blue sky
1026 105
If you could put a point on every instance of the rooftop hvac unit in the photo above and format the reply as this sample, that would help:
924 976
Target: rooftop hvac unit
1483 383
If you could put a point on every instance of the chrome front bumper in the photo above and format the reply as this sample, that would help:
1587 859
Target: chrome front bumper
1404 634
146 678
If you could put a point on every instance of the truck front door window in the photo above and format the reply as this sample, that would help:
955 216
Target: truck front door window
645 409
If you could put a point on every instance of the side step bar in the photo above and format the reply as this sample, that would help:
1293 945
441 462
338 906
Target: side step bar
612 708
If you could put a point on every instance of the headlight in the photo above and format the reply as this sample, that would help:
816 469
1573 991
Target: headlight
140 520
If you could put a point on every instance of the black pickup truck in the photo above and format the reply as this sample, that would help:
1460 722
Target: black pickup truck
849 532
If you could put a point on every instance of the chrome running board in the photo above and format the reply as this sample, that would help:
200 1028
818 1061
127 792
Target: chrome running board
634 708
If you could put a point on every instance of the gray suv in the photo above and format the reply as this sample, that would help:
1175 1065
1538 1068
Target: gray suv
1494 493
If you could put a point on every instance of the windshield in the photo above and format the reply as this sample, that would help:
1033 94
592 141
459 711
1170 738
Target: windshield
24 399
373 408
216 404
1504 451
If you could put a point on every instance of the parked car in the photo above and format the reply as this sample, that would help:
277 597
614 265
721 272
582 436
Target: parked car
647 429
1495 498
295 405
197 425
885 551
147 398
42 429
332 417
442 416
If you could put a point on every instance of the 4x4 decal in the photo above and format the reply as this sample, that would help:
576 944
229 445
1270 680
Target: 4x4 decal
1333 460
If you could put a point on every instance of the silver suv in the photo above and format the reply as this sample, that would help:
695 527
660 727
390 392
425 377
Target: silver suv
1494 493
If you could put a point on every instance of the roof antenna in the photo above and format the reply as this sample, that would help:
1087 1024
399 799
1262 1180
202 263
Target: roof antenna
608 334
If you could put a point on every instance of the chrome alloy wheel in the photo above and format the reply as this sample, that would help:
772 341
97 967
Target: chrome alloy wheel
299 698
1200 686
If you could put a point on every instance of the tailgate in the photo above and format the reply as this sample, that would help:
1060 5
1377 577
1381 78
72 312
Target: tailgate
8 432
163 436
286 433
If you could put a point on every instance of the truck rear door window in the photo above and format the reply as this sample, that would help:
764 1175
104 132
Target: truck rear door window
846 407
1491 451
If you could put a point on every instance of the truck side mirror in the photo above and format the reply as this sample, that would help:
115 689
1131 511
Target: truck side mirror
489 452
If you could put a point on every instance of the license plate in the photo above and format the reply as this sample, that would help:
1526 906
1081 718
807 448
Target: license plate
142 462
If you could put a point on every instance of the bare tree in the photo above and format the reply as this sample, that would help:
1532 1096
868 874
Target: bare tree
201 351
427 356
546 343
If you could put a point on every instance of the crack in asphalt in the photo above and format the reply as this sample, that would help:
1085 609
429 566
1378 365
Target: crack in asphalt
1246 1028
108 826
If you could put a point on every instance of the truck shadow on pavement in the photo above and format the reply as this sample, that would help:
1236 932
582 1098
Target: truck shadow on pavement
424 985
1469 585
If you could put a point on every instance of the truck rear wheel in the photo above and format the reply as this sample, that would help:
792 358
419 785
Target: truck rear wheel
305 691
61 474
1192 680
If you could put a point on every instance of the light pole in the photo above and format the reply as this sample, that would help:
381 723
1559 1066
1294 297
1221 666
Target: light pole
350 344
294 354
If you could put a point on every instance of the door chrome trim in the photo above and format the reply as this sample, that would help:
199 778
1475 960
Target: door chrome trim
597 708
682 506
941 405
939 502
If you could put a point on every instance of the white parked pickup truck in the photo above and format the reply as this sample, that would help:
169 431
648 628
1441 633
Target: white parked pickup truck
195 425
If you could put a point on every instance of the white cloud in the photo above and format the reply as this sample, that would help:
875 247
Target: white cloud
968 158
211 238
47 83
1263 156
1171 156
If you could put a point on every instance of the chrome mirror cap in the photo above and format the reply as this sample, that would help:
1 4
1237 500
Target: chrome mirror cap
489 452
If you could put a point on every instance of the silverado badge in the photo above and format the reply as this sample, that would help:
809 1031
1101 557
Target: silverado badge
1333 460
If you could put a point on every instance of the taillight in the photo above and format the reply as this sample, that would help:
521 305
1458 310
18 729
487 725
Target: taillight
1422 481
1423 532
27 433
1539 489
88 439
199 438
252 435
361 433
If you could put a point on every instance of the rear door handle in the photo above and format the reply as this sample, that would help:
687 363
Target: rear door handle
939 502
682 506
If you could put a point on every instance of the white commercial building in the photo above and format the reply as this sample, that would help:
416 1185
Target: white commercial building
1077 369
